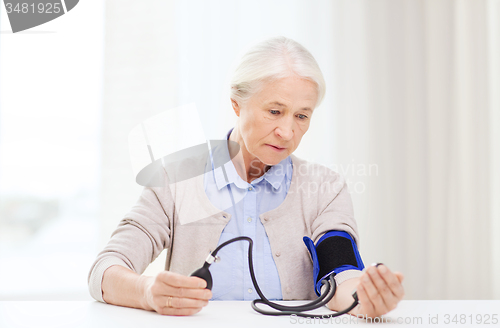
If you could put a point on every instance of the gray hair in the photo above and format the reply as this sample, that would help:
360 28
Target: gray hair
273 59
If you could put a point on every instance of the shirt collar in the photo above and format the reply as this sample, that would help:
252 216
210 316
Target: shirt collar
274 176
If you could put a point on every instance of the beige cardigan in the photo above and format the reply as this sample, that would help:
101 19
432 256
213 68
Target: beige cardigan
180 217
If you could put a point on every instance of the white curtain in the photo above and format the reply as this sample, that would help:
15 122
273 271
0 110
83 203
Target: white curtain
493 10
432 114
411 116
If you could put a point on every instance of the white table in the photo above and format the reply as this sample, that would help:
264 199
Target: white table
93 314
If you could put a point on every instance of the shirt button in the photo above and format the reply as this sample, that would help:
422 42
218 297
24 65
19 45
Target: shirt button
266 218
250 290
278 254
250 188
249 219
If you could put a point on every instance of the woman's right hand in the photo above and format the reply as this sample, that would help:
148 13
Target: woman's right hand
170 293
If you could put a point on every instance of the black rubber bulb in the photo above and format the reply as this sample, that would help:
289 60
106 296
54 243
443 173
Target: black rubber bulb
204 274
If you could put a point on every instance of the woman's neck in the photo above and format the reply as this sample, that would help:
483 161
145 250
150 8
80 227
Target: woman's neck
247 165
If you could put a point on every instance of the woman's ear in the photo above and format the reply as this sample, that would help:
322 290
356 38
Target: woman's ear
236 107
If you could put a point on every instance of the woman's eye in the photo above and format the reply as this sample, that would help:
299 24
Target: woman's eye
274 112
302 117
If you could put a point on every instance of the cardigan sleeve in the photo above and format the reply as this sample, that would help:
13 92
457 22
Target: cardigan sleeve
140 237
336 213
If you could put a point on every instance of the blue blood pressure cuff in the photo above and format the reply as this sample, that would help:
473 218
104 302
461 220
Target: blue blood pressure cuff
335 252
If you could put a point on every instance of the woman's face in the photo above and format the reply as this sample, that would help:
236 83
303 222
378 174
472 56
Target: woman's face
273 121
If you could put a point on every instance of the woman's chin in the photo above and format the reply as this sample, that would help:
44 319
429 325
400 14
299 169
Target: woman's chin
272 159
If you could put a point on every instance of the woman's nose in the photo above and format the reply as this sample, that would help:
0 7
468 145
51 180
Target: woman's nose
285 130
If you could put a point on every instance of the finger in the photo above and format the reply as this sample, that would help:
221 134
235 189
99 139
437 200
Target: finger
200 294
400 276
177 280
180 303
178 312
161 301
392 281
365 303
389 298
373 292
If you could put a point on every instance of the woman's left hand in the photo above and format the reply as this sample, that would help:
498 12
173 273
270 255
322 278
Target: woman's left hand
379 291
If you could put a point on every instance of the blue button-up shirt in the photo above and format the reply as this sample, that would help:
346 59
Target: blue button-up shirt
245 202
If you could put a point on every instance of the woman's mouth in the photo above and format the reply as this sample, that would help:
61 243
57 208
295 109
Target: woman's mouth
276 148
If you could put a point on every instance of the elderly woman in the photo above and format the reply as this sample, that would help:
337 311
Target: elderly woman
280 198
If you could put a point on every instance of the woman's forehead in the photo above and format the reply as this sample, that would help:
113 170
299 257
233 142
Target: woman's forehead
277 104
288 92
